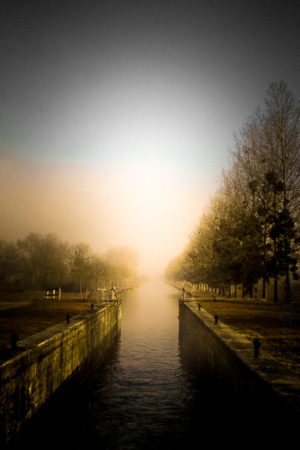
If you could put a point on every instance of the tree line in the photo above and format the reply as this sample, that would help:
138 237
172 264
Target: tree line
250 230
43 261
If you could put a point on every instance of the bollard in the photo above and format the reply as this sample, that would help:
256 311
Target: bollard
68 318
256 344
216 319
92 306
199 306
13 340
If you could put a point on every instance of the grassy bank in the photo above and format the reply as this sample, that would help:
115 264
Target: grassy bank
24 314
277 326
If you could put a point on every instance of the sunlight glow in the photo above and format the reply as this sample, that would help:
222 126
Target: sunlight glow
145 205
153 207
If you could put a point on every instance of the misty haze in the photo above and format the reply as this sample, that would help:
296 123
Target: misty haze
150 191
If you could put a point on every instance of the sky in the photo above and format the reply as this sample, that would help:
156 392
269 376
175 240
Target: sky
118 117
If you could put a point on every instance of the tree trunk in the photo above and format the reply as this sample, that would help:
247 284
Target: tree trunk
287 288
264 287
275 288
80 287
251 291
228 290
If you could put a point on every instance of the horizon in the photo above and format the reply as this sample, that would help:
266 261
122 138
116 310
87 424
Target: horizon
118 118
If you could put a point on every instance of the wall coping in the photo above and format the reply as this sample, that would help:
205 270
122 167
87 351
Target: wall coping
37 341
284 381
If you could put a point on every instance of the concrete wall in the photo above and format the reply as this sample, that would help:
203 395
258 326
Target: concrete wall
204 352
49 359
219 354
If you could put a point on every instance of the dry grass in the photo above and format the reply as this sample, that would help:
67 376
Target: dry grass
276 325
37 315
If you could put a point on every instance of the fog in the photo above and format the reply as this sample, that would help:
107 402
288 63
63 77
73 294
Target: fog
117 117
142 206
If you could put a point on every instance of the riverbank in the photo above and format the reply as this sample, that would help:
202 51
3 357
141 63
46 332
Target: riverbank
277 326
27 313
44 361
153 390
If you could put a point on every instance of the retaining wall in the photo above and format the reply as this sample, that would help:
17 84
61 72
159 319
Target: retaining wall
229 356
47 360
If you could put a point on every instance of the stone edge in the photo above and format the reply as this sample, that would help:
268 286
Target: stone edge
282 380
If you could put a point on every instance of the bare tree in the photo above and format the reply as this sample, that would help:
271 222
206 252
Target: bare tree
267 158
80 265
250 229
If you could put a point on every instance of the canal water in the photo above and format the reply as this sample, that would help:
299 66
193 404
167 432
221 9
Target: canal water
149 393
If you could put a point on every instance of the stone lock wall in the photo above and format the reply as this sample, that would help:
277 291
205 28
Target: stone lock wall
48 359
215 351
204 350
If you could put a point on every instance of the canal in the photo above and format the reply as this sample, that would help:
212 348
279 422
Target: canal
150 392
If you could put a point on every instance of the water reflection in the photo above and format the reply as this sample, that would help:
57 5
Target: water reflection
143 405
152 391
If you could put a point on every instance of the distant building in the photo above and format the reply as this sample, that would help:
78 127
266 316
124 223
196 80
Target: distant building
53 293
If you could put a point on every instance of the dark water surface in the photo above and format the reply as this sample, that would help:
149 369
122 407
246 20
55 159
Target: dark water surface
149 394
